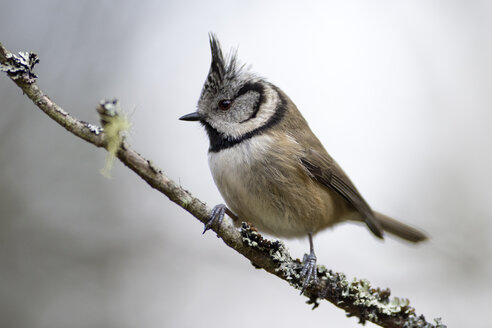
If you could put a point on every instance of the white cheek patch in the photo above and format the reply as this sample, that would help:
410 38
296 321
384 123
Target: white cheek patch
267 109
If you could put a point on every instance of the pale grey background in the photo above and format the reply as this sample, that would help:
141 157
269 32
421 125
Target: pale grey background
398 91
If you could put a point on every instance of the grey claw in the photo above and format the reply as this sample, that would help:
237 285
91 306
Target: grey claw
309 271
217 214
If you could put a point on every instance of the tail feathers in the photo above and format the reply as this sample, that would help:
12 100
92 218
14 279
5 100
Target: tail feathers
400 229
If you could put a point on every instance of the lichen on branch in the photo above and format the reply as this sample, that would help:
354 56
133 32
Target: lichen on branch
115 124
20 66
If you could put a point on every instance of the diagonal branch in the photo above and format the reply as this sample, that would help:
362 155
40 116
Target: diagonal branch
356 297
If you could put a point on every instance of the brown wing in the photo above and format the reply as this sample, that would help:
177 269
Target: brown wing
327 172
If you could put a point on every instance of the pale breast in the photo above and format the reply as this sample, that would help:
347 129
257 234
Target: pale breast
232 170
242 179
264 188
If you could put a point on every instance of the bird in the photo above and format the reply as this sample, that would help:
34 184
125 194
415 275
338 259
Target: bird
270 168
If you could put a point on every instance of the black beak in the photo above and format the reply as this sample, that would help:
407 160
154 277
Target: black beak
195 116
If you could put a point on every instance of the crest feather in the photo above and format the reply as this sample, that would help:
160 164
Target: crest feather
222 68
218 63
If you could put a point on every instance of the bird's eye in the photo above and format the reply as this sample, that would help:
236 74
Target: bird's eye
225 104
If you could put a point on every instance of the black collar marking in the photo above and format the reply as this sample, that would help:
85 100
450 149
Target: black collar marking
219 141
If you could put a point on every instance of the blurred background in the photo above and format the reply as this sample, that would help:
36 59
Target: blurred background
398 92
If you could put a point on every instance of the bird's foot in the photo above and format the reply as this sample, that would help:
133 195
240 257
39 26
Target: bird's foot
216 215
309 270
